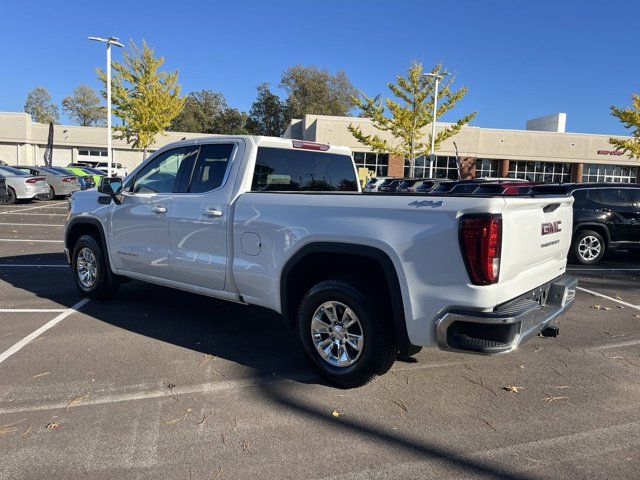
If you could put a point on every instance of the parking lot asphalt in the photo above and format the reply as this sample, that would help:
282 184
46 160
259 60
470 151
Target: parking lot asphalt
163 384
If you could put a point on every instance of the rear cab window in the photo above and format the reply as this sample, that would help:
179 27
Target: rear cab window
286 170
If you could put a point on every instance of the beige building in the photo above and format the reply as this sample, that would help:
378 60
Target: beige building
543 152
23 141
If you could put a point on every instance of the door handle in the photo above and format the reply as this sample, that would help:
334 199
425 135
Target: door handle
212 212
159 209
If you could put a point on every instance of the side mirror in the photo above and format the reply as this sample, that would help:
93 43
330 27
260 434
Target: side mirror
111 186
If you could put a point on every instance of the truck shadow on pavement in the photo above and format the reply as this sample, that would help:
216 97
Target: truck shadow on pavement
250 336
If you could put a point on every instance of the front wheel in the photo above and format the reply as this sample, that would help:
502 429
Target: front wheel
588 247
90 269
345 334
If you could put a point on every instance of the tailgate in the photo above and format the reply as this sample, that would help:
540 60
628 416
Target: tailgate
536 236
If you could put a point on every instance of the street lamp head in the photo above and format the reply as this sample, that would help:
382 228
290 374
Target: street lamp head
109 41
439 75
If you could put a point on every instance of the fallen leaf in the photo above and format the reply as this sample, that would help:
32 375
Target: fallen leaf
600 307
218 473
26 432
75 401
555 399
336 413
490 426
207 358
400 404
205 417
512 388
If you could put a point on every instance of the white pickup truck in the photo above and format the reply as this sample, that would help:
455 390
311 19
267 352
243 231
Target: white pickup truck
363 277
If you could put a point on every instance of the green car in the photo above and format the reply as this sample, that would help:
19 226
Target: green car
96 174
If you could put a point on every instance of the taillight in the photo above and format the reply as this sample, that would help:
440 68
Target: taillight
481 243
310 145
69 179
34 180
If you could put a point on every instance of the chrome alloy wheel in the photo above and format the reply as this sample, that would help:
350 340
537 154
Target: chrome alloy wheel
337 334
589 247
86 267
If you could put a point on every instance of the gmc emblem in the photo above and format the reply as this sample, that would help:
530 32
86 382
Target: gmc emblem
551 227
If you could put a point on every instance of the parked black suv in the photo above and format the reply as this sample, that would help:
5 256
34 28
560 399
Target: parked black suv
606 216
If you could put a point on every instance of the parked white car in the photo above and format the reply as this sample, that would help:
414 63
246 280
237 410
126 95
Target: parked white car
282 224
22 185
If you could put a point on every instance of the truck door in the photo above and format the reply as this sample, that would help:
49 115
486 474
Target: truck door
139 225
199 219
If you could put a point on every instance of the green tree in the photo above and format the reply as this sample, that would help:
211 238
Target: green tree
314 91
206 111
406 120
84 107
268 114
38 104
145 99
630 118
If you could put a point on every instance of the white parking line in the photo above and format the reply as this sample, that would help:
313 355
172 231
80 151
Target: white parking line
50 324
26 265
33 224
609 298
612 269
30 241
32 310
48 205
34 214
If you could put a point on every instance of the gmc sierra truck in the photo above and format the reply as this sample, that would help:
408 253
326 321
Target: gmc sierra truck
363 277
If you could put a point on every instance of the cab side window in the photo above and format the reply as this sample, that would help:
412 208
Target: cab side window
161 174
211 167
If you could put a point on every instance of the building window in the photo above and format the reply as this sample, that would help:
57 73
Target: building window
599 172
92 152
548 172
486 168
443 167
378 163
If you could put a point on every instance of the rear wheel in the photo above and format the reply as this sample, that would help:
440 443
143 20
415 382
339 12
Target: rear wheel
90 269
51 195
345 334
11 197
588 247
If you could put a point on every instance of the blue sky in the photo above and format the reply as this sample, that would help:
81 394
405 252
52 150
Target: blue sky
520 59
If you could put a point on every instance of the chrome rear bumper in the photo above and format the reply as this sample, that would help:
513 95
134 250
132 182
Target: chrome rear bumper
510 324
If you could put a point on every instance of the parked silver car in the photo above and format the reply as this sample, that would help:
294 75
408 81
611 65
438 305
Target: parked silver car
62 184
23 186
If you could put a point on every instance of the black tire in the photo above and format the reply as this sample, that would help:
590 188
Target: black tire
588 247
51 195
105 284
11 197
378 350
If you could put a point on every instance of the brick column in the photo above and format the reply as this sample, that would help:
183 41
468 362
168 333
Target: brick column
396 166
576 172
467 168
503 167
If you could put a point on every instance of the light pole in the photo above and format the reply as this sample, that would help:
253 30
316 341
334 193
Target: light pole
109 41
438 77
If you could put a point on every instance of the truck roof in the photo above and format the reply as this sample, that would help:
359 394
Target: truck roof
264 141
